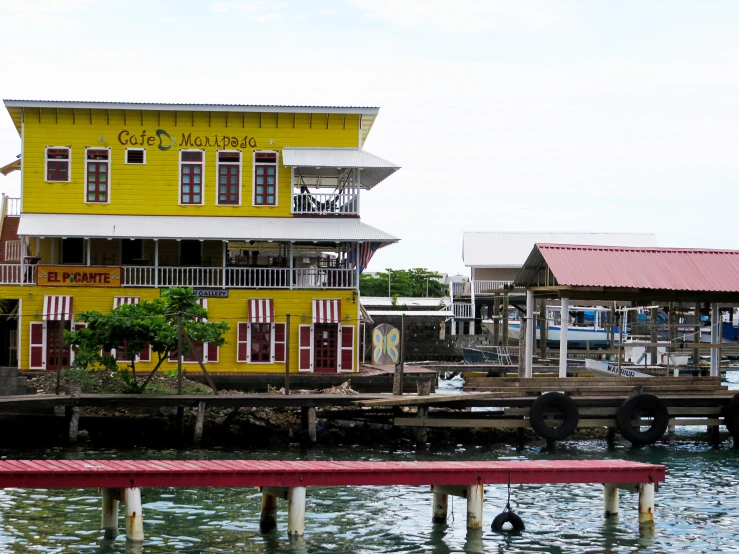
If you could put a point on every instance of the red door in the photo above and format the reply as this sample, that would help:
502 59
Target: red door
53 344
325 346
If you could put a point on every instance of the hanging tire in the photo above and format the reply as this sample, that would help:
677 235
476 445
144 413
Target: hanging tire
508 517
639 406
547 403
731 416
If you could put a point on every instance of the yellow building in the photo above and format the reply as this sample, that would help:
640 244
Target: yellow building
255 207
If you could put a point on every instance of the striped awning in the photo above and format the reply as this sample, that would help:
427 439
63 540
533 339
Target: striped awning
58 308
121 300
261 310
326 311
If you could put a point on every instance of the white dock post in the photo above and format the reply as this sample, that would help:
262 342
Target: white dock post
564 316
441 504
134 517
530 334
610 500
715 339
475 495
109 522
296 512
646 506
268 518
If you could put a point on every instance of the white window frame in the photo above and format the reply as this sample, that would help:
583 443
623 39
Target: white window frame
110 165
240 165
125 158
202 176
47 160
254 178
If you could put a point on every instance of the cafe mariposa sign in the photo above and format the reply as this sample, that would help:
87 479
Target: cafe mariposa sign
76 276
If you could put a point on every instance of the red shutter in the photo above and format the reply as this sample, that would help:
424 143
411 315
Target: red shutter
212 354
279 342
346 348
305 347
242 352
145 355
38 346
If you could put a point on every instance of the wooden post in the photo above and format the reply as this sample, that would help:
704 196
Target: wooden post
496 320
423 386
287 354
440 508
200 423
654 312
109 520
399 367
620 342
308 420
697 336
522 346
268 517
543 330
505 319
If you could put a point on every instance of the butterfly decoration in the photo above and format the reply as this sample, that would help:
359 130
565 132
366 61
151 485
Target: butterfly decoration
385 344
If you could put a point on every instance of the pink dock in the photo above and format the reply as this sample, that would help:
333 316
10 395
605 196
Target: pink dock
122 480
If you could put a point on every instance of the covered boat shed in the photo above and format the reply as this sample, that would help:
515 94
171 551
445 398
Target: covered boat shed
620 273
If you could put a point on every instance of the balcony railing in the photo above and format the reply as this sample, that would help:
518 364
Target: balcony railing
13 251
13 207
480 287
11 274
239 277
341 203
462 310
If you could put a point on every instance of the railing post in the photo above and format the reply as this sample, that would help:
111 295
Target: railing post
156 263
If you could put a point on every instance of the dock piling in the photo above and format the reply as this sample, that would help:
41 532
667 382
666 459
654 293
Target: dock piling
475 494
134 517
610 501
308 420
296 512
200 423
646 506
109 523
268 517
440 508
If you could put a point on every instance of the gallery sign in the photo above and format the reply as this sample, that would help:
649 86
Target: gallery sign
76 276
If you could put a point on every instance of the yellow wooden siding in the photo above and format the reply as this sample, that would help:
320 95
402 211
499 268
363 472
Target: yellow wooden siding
232 310
153 188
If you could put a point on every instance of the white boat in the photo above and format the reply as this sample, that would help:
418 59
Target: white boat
576 336
605 368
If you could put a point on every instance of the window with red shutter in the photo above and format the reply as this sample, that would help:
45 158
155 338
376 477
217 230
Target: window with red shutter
191 176
265 178
97 175
57 164
229 178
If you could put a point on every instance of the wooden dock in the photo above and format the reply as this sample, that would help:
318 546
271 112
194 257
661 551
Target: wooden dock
122 480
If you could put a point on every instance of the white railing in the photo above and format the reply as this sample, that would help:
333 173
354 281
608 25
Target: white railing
12 251
490 286
239 277
463 287
341 203
13 207
461 310
10 274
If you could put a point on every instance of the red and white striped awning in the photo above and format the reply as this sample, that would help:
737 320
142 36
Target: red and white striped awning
326 311
121 300
58 308
261 310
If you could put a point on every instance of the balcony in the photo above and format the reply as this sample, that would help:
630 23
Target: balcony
319 203
480 287
462 310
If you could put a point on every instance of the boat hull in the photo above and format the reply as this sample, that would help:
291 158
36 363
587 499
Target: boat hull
577 337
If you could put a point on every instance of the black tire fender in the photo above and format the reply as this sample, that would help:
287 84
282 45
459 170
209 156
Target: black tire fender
731 416
508 517
647 404
547 402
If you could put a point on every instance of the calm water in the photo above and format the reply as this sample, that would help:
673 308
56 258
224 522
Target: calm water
697 509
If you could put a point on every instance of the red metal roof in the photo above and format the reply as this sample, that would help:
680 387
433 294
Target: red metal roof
292 473
678 269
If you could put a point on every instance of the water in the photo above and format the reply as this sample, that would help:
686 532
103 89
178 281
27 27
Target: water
697 509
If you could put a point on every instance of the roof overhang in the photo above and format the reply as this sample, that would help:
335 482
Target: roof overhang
318 164
367 114
411 313
11 167
201 228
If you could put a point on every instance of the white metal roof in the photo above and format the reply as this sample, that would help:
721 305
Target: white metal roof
411 302
412 313
327 162
197 227
510 250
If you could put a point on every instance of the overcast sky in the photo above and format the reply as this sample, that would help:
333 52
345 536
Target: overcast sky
526 115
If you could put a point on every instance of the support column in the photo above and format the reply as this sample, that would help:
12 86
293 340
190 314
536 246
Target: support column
472 299
134 517
156 262
646 506
296 512
74 425
715 337
109 522
610 500
454 327
475 495
697 336
496 320
423 388
530 328
199 423
564 323
268 517
441 504
308 420
653 353
543 328
505 319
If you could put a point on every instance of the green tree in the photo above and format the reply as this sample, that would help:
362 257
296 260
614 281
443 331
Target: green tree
130 328
416 282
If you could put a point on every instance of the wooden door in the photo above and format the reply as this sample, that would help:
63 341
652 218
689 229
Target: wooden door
55 353
325 347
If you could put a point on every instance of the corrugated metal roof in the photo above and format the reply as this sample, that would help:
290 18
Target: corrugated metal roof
196 227
367 114
319 162
412 313
509 249
675 269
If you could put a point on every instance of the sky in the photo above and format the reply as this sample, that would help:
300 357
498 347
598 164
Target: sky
520 115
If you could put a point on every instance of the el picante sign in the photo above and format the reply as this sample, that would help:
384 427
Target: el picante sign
78 276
